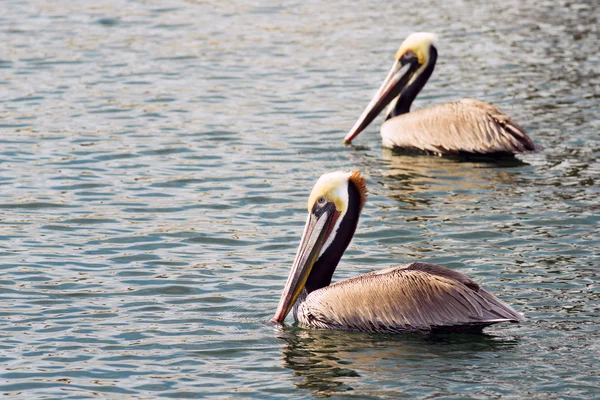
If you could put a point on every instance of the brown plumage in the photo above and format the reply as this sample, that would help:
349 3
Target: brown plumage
466 126
417 297
463 127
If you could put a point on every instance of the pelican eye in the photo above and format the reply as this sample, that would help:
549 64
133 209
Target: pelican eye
322 201
408 55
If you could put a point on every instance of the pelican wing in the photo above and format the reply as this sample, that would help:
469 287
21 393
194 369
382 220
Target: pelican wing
464 126
417 297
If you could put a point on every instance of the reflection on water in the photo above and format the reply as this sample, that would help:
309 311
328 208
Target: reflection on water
316 359
329 362
419 180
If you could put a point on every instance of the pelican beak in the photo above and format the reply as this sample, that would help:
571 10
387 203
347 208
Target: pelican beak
316 232
396 80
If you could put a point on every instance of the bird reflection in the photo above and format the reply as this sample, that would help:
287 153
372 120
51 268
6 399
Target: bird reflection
333 362
418 181
313 355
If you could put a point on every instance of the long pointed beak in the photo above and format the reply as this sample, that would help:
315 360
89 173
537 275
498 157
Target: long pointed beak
391 87
316 232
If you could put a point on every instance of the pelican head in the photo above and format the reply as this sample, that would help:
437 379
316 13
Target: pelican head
412 67
334 206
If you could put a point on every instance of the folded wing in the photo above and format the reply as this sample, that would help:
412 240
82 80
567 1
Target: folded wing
417 297
468 125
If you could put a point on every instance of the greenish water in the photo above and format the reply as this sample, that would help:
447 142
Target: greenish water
156 157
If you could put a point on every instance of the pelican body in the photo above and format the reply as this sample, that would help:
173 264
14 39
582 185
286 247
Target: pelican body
413 298
464 127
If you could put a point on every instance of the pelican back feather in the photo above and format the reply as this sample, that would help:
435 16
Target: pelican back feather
417 297
466 126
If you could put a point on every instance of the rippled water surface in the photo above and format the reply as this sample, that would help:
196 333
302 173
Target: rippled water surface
156 158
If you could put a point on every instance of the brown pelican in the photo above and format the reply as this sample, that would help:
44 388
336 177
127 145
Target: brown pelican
463 127
417 297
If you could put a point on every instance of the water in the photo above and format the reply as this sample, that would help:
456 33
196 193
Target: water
155 161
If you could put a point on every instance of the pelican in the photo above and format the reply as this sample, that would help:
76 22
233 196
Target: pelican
417 297
459 128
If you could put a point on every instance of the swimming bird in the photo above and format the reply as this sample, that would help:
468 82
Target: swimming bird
417 297
458 128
